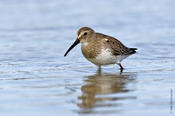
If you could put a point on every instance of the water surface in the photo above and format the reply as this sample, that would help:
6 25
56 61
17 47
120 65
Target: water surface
36 79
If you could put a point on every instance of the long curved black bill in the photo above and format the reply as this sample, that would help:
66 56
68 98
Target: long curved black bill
77 41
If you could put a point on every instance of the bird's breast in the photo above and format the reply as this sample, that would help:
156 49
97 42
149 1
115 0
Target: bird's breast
90 50
103 57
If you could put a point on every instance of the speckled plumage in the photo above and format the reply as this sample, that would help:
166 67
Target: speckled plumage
101 49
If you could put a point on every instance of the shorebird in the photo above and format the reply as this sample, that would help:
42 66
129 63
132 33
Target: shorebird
101 49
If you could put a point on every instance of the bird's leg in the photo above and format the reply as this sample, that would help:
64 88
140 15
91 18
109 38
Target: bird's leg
99 69
121 68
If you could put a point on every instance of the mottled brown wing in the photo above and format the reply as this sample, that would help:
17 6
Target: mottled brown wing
116 46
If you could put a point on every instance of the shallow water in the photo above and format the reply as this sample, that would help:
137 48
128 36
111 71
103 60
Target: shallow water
35 78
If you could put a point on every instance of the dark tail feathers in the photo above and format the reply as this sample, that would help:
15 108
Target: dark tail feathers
132 50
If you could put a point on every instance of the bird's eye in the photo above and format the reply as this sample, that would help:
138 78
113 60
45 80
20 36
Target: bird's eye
85 34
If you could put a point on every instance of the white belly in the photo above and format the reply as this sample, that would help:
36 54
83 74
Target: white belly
106 58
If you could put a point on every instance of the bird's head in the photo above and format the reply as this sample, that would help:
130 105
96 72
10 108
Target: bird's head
84 35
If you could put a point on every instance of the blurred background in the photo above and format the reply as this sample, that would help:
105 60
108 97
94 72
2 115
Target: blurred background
35 78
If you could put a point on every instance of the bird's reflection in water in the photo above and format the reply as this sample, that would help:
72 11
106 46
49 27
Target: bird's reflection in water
100 90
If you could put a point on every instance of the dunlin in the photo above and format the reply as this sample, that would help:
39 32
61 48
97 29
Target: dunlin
101 49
